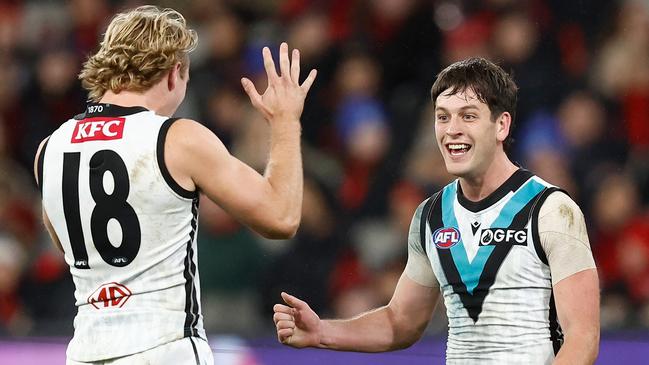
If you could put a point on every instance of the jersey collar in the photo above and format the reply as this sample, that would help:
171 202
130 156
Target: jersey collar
109 110
518 178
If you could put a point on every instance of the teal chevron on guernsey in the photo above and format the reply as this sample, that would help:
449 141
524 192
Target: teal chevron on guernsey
470 272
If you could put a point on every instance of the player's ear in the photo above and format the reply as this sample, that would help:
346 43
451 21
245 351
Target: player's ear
173 76
503 124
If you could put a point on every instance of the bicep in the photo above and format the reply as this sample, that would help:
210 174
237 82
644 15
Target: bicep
577 301
196 154
232 184
412 305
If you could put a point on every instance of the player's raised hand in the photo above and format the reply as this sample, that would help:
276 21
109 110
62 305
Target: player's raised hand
297 324
284 96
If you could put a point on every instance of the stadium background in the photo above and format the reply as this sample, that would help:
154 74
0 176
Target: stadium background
369 151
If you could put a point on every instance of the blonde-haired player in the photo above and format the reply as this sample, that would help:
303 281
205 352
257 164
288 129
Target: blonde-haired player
120 189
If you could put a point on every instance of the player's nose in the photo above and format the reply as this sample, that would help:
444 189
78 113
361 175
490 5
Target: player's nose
454 127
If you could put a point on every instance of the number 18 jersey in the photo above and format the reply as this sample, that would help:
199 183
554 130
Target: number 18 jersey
128 231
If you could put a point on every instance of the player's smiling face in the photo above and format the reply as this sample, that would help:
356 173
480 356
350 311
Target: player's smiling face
466 135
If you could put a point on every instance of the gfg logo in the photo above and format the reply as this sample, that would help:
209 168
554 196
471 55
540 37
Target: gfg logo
446 237
492 236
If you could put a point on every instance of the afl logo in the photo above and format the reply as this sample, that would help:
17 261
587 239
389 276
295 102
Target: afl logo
446 237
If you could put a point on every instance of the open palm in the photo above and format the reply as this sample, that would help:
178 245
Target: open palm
284 96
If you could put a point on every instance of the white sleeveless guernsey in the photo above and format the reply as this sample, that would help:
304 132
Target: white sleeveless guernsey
493 273
128 231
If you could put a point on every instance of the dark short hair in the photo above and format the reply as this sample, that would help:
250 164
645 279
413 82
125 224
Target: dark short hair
491 84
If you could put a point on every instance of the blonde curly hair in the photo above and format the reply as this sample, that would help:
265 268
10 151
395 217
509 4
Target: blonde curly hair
138 48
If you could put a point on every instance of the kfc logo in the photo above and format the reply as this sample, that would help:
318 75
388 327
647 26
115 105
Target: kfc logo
98 129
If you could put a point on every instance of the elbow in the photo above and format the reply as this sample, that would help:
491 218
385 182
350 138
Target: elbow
404 340
290 227
584 341
408 338
595 345
405 332
594 338
282 229
402 345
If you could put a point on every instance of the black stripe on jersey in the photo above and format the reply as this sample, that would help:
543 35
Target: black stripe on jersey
39 165
556 334
198 362
425 213
191 298
162 136
70 194
535 222
473 302
518 178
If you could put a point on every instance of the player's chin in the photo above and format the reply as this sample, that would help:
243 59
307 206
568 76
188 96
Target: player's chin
457 168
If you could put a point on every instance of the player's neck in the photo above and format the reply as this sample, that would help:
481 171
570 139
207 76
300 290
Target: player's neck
150 99
476 188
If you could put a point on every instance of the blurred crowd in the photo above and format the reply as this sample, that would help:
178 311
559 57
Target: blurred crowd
370 155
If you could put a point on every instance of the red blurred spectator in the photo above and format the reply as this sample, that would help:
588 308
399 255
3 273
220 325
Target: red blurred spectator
632 253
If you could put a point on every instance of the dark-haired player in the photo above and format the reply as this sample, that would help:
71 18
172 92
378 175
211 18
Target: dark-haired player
507 251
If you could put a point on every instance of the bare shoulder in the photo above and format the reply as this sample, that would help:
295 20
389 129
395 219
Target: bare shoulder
191 135
185 127
189 149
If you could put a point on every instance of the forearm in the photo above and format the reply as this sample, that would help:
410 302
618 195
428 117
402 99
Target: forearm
579 349
374 331
284 171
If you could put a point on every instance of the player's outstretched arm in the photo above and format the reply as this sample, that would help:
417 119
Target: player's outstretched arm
394 326
271 203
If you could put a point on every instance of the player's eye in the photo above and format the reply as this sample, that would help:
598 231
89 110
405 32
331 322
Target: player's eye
441 118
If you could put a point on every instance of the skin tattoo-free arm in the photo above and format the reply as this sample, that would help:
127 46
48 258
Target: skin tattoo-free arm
394 326
270 204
